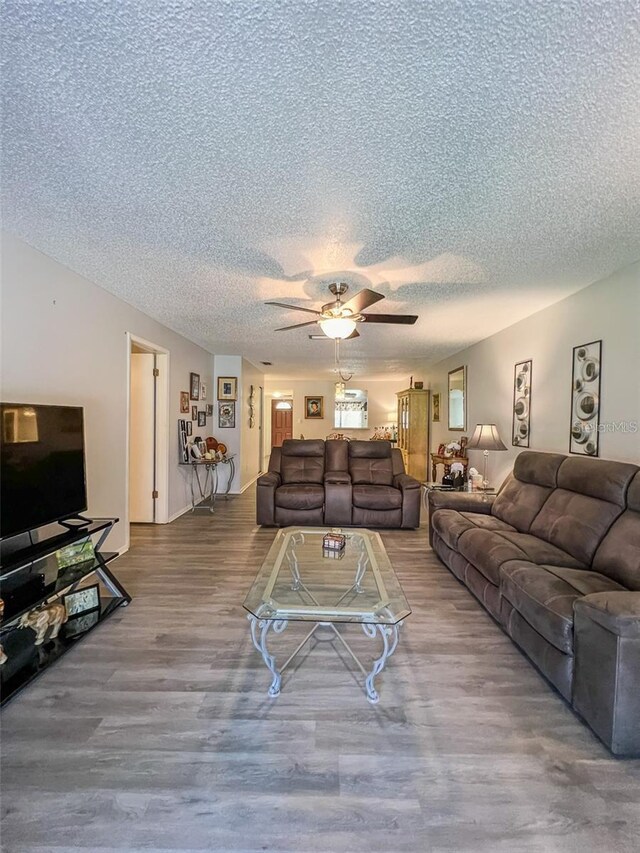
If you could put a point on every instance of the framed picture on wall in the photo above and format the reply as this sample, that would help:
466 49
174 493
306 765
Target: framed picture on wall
226 415
435 407
202 419
203 391
194 384
227 388
209 410
184 402
189 428
585 399
521 426
194 413
313 407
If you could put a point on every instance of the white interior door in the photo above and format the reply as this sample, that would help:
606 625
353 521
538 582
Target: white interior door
142 438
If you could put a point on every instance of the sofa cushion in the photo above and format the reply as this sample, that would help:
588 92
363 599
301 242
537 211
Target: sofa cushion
302 461
451 524
575 522
618 556
597 478
487 550
377 497
300 496
544 596
336 455
518 503
370 463
539 469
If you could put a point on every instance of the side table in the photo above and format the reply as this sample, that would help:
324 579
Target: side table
438 487
207 488
447 461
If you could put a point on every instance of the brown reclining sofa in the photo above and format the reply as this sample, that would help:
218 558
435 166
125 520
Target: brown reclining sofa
338 483
555 559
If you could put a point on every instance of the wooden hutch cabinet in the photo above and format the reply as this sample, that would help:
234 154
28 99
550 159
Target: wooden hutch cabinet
413 431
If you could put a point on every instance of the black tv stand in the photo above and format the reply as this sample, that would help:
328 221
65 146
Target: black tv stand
32 578
75 522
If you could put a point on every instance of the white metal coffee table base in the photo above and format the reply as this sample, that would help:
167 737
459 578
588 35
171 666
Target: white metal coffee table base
260 630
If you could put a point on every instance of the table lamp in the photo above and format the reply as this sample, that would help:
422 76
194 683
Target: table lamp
485 437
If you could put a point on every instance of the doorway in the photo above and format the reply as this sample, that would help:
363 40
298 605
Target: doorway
260 429
147 432
281 421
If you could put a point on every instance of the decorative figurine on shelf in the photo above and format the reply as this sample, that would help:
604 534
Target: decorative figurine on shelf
40 621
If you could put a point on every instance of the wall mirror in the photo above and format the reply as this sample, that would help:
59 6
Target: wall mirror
351 410
457 399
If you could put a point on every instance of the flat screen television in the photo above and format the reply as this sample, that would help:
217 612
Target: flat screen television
42 467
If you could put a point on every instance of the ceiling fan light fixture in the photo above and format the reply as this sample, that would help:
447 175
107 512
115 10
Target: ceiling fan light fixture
338 327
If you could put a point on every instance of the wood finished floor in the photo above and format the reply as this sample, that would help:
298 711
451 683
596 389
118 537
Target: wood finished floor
156 733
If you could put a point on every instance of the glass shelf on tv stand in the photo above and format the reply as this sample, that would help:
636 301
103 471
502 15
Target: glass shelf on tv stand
31 578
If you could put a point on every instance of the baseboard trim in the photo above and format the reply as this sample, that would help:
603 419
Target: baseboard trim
250 483
178 514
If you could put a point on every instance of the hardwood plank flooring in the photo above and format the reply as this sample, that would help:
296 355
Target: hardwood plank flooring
156 733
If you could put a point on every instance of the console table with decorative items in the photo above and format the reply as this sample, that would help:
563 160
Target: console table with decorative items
447 461
204 491
413 430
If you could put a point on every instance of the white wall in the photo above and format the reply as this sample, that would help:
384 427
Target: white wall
64 341
228 365
382 402
250 463
608 310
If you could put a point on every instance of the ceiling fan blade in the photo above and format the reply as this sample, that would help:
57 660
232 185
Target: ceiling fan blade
398 319
354 334
296 326
363 300
292 307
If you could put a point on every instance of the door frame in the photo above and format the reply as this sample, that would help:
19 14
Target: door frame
161 429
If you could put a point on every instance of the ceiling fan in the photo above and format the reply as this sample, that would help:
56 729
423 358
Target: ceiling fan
338 319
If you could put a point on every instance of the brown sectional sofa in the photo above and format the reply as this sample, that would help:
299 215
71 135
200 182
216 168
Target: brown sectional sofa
555 559
341 483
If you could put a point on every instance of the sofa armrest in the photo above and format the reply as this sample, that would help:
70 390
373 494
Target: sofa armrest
618 612
405 482
606 643
462 501
271 480
337 477
266 498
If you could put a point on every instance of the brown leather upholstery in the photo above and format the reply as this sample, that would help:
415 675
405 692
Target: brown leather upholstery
544 596
618 556
337 483
337 455
300 496
377 497
607 655
487 550
555 558
370 463
302 461
451 524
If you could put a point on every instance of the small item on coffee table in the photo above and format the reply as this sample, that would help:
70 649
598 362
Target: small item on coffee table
333 541
332 554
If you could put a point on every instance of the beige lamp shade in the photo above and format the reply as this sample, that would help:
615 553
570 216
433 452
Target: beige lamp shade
485 437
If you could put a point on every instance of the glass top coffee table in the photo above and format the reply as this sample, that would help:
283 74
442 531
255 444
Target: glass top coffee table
300 581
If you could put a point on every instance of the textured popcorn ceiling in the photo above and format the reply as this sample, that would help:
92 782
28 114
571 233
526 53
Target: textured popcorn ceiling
473 161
